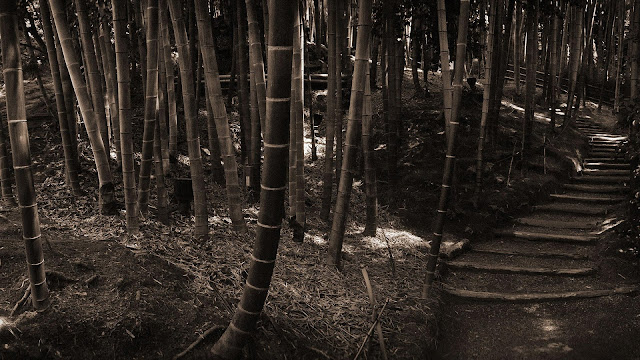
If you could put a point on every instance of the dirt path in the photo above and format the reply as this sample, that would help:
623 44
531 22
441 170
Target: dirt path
541 288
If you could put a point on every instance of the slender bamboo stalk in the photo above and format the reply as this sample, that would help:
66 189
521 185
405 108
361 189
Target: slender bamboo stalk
244 98
227 150
340 56
217 170
444 63
263 258
553 70
257 62
150 106
171 90
635 50
163 114
371 188
91 71
109 62
619 73
532 62
486 96
354 127
161 117
6 178
19 137
517 48
330 114
106 191
434 250
193 139
70 165
575 61
298 79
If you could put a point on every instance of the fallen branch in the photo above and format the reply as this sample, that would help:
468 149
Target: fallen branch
372 299
22 300
200 338
370 332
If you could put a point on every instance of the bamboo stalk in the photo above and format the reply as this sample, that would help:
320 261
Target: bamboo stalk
330 114
150 106
298 79
19 137
371 188
227 149
70 165
193 139
354 127
106 190
263 258
447 176
165 22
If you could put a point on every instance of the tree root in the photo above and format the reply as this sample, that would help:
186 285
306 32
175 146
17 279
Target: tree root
200 338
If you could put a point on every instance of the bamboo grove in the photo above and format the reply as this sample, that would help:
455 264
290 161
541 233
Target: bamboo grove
98 54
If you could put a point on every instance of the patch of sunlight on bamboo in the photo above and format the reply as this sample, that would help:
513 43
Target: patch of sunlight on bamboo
538 116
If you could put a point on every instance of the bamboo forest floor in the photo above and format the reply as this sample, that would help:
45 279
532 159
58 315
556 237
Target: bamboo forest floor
150 296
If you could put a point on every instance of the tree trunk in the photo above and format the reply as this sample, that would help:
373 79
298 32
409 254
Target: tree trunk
150 103
193 139
353 134
212 80
330 114
19 137
263 258
106 190
71 170
434 250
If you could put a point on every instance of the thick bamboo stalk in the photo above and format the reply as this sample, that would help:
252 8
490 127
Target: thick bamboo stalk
635 50
71 170
163 114
91 71
19 137
6 176
158 154
227 149
193 139
447 176
273 186
354 127
150 106
257 62
330 114
119 8
243 86
106 191
340 56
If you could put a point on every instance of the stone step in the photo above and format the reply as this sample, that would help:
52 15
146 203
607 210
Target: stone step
588 198
604 159
617 179
539 236
573 209
558 224
537 297
603 189
605 172
532 254
605 165
512 269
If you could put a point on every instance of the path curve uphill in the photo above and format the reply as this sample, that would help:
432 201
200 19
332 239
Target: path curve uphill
536 290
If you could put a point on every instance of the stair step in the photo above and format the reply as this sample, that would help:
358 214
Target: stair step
558 224
604 160
588 198
533 297
573 209
584 239
602 179
606 172
534 254
596 188
604 165
495 268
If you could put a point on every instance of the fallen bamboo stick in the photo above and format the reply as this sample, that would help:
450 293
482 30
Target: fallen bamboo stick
371 330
